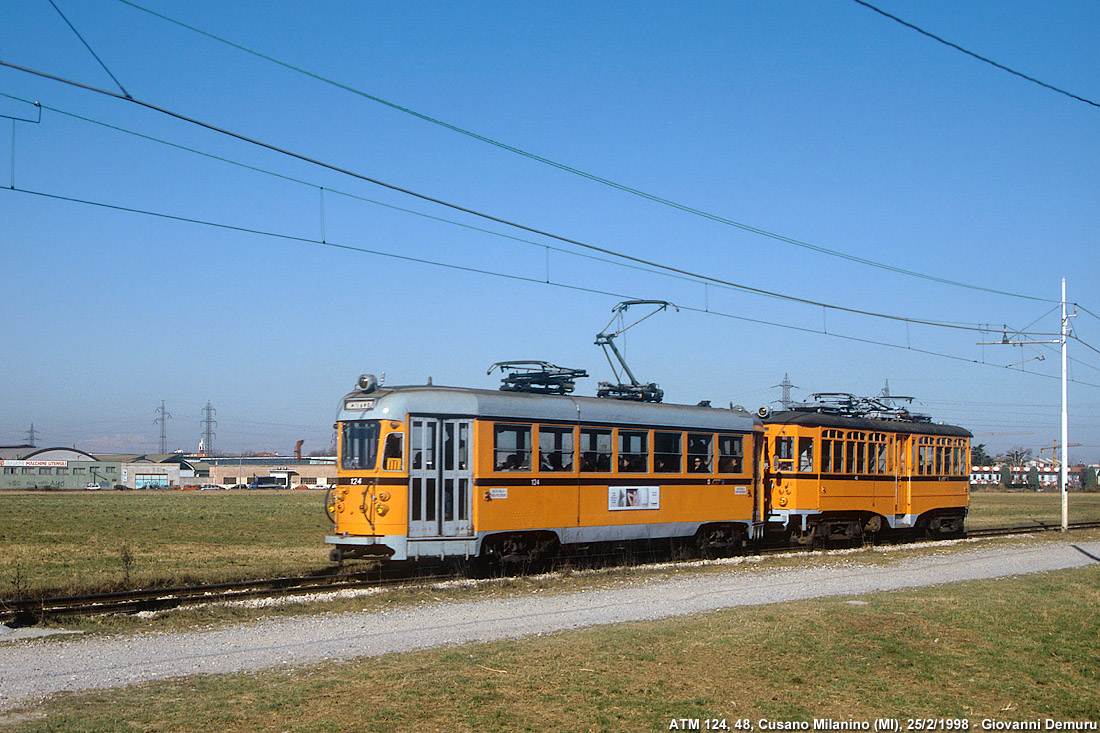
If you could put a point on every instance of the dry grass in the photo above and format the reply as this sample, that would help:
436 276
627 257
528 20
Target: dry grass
74 542
1011 649
1029 508
80 541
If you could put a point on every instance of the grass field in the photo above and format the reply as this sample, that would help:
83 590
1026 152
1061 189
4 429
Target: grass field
1029 508
1021 648
78 541
60 543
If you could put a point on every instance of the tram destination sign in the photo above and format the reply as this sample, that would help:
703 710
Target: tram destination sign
359 405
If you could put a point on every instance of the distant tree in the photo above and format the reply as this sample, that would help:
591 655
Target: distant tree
1017 456
1006 475
1033 478
1089 479
978 456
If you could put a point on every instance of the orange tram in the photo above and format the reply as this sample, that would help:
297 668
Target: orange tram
434 472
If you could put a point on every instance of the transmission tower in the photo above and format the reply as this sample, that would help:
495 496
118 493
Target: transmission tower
31 435
786 385
208 423
163 418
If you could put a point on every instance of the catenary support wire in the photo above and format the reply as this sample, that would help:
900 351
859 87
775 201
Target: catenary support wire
491 217
583 174
93 53
518 278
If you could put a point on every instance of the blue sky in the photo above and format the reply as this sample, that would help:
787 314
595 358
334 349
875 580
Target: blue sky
822 122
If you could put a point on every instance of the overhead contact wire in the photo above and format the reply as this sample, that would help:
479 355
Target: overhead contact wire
509 276
584 174
480 214
957 47
354 196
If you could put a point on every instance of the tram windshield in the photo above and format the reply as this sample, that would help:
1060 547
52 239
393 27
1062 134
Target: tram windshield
360 445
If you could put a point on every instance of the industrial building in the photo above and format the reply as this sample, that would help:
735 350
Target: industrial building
28 467
66 469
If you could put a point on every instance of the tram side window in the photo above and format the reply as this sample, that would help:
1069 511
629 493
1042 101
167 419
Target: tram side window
924 460
633 451
883 466
700 450
456 446
806 455
360 445
595 450
423 444
784 454
666 452
850 466
512 447
393 452
555 449
731 454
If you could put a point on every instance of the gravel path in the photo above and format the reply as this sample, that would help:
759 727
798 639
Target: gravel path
32 669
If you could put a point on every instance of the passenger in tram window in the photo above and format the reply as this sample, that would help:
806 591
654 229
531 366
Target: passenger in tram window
514 462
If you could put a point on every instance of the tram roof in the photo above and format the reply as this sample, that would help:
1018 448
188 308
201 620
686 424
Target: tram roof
394 403
817 419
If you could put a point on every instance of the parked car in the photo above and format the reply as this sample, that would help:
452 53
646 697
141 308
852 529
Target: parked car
93 487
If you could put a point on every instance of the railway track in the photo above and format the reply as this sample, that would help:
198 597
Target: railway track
1000 531
27 612
24 612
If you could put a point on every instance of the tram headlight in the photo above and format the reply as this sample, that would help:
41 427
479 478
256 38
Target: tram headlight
383 496
382 509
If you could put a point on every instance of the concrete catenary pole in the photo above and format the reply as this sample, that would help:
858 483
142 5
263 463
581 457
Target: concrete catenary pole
1065 416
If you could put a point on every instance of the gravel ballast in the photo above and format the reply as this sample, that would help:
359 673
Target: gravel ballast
34 668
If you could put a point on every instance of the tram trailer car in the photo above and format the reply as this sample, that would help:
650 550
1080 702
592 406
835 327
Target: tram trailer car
838 477
457 473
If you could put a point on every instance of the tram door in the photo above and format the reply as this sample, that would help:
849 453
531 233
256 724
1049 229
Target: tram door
903 481
440 478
